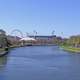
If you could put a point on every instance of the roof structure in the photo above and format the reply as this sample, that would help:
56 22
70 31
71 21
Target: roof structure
27 39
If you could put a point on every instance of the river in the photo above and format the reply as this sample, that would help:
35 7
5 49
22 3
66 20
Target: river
40 63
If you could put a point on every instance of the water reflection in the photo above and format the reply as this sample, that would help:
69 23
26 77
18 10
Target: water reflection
40 63
3 61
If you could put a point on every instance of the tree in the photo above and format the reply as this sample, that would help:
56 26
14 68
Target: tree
3 39
73 41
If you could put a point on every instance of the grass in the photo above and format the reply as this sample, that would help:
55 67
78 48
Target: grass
2 49
71 49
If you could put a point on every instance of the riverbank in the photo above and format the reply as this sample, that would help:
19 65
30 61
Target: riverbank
70 49
3 51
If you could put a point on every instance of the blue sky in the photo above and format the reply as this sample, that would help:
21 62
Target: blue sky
44 16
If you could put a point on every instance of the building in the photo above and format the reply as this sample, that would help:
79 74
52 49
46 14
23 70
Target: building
43 37
46 40
27 41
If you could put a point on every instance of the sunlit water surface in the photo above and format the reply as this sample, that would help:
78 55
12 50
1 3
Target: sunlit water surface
40 63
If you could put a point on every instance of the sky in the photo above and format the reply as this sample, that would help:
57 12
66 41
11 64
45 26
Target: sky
43 16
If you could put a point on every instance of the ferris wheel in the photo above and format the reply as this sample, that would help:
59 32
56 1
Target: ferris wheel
17 33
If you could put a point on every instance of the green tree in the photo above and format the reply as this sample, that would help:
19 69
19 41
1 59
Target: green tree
3 39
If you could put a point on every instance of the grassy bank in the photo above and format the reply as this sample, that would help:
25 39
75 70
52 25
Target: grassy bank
71 49
3 51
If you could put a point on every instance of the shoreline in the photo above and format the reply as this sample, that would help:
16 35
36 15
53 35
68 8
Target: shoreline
70 49
3 52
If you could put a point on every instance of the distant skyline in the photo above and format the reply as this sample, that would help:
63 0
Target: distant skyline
43 16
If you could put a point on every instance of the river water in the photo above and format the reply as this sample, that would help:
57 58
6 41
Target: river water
40 63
